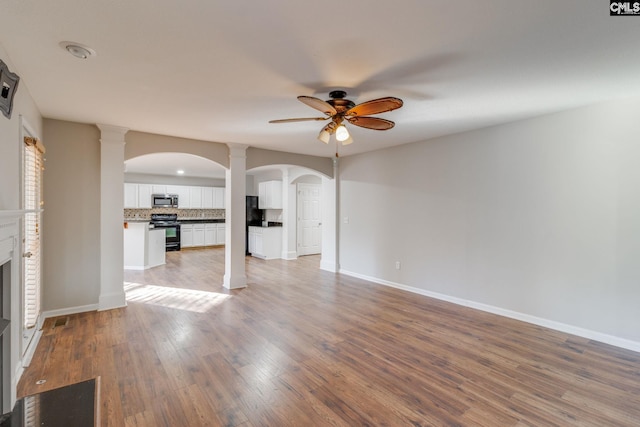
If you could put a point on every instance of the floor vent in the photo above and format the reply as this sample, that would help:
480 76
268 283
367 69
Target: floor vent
60 321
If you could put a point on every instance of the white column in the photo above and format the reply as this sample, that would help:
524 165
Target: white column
235 206
111 217
331 222
289 217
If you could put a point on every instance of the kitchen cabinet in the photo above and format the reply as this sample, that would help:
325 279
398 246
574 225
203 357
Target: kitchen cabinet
270 195
202 234
158 189
265 242
144 196
218 197
210 234
130 196
143 247
195 195
186 235
138 196
208 197
198 235
221 233
184 195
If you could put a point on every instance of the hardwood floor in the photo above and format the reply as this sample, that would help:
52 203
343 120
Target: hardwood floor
305 347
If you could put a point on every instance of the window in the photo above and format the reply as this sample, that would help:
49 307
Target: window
33 167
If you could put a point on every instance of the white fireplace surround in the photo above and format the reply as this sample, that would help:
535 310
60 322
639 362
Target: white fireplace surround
10 243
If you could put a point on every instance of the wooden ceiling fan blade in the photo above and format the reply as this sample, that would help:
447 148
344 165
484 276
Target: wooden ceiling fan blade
375 106
302 119
374 123
318 104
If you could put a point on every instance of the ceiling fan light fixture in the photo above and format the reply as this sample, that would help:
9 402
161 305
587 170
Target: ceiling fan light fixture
324 136
347 141
342 134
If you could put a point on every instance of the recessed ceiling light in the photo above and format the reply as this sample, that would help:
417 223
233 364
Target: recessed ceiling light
180 172
78 50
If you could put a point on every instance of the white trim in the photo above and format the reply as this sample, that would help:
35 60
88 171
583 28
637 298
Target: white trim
31 347
329 266
25 125
70 310
551 324
291 255
112 300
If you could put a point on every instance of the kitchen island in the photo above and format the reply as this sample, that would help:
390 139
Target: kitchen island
265 242
144 247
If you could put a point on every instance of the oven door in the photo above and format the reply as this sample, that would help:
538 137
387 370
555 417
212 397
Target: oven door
172 236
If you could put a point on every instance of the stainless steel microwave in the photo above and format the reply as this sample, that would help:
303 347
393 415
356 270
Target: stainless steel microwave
164 200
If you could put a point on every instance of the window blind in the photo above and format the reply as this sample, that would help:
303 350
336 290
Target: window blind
33 203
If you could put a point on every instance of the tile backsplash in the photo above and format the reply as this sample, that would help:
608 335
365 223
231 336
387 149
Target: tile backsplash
145 214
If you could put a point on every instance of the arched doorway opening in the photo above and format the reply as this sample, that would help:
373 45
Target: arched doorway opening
307 211
181 193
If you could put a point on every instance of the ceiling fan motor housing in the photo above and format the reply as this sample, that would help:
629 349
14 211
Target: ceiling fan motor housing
339 102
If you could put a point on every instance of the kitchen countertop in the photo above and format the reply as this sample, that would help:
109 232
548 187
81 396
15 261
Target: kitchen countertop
269 225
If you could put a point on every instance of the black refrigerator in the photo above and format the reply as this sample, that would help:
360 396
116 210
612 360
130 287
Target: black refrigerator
254 218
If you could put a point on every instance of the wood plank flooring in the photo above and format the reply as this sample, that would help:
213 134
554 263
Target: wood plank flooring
305 347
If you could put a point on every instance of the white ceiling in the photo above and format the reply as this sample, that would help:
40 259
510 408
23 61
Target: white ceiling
220 70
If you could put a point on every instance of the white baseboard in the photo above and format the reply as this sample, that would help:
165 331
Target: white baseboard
70 310
551 324
31 348
329 266
112 300
291 255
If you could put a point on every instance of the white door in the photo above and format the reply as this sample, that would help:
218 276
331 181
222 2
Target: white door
309 221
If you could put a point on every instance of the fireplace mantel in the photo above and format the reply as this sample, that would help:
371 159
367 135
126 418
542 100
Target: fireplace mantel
10 238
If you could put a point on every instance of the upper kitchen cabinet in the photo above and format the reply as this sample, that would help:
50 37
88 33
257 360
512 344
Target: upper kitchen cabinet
195 195
158 189
218 197
207 197
270 195
137 196
130 196
144 196
184 195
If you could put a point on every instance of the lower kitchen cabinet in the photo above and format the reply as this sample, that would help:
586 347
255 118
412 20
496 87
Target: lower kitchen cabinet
265 242
186 235
221 233
202 234
210 234
198 235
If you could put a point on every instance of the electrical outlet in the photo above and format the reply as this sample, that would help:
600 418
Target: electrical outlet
397 265
346 220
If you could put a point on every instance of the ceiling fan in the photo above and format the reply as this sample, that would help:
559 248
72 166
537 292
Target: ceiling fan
339 109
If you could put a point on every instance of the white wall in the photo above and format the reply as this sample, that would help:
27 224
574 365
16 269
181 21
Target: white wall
71 250
10 142
539 217
140 178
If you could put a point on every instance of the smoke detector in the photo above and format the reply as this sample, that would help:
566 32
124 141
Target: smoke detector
78 50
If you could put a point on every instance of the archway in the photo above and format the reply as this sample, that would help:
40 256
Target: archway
289 177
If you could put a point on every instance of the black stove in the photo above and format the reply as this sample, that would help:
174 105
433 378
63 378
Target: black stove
164 219
172 229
